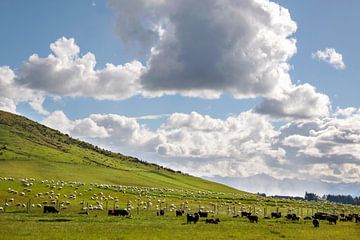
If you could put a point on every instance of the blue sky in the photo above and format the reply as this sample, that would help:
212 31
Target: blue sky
182 131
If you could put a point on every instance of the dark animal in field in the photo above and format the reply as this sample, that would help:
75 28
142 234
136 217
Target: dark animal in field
357 218
253 218
307 218
245 214
349 218
342 219
179 213
118 212
203 214
321 216
162 212
316 223
267 217
276 215
236 216
292 217
192 218
50 209
212 221
332 219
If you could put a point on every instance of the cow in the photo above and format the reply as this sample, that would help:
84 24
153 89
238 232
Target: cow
203 214
253 218
349 217
307 218
276 215
357 218
50 209
212 221
179 213
245 214
192 218
316 223
321 216
118 212
332 219
292 217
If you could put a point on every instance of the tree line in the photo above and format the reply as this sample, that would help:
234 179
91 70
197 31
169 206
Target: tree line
345 199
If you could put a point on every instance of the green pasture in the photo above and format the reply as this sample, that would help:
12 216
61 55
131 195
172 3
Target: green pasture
29 222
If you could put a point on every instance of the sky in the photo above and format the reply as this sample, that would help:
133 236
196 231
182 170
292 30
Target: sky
257 94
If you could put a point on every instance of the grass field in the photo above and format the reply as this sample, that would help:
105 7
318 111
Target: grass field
40 167
146 227
28 222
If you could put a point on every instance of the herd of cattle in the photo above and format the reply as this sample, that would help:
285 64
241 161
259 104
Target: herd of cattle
195 217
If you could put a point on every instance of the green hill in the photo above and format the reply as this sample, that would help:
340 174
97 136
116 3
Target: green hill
29 149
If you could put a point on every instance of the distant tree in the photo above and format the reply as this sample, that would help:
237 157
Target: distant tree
311 197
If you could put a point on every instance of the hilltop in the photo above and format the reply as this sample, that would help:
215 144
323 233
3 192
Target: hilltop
29 149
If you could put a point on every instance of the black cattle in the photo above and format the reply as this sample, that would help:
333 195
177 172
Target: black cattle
349 217
357 218
245 214
307 218
192 218
212 221
179 213
332 219
162 212
276 215
321 216
203 214
253 218
118 212
50 209
292 217
316 223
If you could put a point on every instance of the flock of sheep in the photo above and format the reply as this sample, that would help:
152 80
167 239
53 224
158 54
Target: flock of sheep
88 198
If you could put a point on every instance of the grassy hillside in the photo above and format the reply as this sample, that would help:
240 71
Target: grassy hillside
29 149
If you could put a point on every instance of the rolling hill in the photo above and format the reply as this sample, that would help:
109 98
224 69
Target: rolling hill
29 149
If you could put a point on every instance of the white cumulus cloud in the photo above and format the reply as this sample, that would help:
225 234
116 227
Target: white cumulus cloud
330 56
320 149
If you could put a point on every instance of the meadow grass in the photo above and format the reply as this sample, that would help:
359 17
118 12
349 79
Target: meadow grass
23 226
19 223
